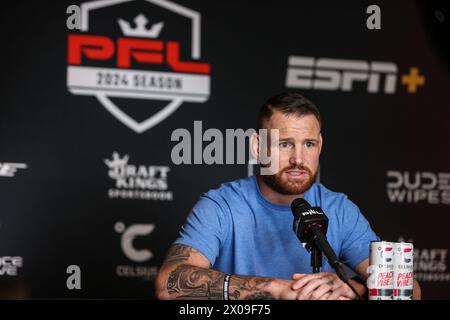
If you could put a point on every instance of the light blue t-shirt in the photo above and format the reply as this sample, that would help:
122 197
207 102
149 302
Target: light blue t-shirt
240 232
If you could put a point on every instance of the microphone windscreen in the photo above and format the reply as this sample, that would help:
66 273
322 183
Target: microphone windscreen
300 203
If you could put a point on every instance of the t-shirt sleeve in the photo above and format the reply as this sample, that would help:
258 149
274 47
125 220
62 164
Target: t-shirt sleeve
357 236
205 228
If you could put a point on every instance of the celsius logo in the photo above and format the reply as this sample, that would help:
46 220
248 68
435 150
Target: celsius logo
428 187
137 256
406 254
9 169
145 55
385 257
340 74
128 236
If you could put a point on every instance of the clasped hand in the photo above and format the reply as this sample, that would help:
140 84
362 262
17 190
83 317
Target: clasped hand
317 286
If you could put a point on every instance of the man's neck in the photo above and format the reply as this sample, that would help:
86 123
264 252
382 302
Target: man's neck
273 196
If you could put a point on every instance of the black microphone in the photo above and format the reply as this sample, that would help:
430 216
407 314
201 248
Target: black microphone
310 226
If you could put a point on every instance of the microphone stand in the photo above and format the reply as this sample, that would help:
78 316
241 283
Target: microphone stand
316 258
318 245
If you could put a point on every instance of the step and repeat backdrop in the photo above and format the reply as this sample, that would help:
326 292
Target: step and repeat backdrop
93 91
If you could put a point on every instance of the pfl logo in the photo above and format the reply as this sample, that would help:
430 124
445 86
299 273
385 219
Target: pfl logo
140 57
129 235
311 212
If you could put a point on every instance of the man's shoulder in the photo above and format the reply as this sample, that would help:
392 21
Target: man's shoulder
320 191
226 199
321 196
231 190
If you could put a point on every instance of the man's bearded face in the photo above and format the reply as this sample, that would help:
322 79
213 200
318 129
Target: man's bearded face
298 150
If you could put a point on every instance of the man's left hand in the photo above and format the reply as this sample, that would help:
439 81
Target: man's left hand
321 286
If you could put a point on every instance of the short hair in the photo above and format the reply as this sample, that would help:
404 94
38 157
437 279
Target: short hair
287 103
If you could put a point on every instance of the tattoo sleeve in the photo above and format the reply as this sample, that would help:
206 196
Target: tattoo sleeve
178 253
186 281
189 282
250 288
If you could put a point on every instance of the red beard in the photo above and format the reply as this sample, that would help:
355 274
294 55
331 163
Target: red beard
286 187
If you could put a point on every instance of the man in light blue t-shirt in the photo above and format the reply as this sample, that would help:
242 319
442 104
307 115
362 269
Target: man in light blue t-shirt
238 243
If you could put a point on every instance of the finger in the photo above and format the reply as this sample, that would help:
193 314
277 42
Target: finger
334 281
297 284
345 290
301 296
307 278
311 286
348 292
335 295
325 296
320 291
298 276
343 298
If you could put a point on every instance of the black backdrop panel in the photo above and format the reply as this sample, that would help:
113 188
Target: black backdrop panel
80 185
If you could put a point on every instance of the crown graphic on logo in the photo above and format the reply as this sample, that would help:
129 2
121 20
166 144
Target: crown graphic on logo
140 30
116 161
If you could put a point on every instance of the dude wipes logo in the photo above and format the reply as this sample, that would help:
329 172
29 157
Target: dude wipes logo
144 182
342 74
138 54
418 187
135 253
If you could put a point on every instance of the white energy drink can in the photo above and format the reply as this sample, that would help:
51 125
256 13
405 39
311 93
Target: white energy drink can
381 271
403 270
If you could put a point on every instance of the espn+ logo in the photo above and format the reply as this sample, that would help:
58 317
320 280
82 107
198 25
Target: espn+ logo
342 74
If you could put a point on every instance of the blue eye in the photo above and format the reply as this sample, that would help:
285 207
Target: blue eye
285 144
310 144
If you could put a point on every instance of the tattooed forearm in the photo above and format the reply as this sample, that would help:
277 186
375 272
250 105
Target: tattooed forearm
189 282
260 296
178 253
250 288
186 274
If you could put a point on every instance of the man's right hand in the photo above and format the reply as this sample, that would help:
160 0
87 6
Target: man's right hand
321 286
310 289
281 289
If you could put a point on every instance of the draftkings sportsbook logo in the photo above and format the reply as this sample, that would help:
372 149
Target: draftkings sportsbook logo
137 181
140 58
430 264
342 75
